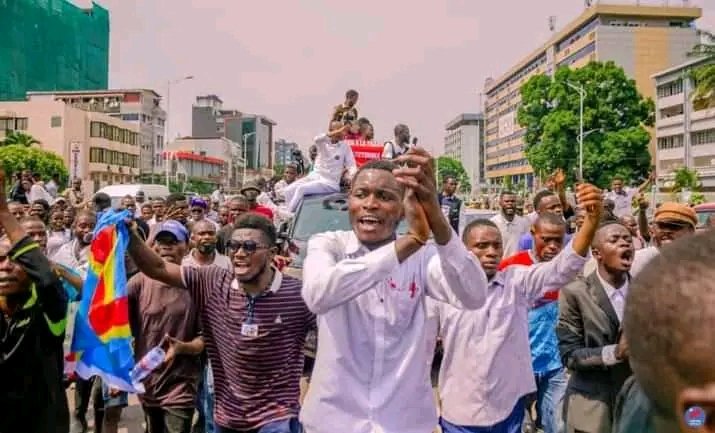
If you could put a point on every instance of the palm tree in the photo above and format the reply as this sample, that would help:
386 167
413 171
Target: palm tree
704 75
21 138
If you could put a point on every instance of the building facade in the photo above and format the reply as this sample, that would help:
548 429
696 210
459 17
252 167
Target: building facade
257 134
685 131
640 39
96 147
464 141
284 152
185 166
141 107
216 149
52 45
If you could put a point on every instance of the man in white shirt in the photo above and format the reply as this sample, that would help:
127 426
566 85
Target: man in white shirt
511 225
290 174
334 159
368 287
486 369
671 221
623 197
218 195
399 145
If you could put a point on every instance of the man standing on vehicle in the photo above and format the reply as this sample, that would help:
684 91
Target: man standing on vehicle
368 287
335 159
451 205
399 145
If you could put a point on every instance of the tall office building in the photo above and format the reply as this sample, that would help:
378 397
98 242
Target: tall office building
464 141
641 39
52 45
284 151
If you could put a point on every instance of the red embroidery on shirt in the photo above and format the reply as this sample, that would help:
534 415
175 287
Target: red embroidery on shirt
413 289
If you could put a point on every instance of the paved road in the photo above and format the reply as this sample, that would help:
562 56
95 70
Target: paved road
132 416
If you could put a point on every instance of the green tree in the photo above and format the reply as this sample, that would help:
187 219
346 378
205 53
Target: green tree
615 116
447 166
19 137
687 180
278 170
704 76
16 157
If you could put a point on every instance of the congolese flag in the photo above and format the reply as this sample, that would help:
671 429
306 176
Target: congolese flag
102 338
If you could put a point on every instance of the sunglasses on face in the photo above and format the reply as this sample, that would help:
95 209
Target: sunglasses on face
248 246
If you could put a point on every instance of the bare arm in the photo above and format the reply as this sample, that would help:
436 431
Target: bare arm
150 264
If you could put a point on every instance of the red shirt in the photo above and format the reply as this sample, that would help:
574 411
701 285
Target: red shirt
263 210
524 258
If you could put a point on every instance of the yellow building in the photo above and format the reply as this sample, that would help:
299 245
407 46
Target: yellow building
641 39
97 148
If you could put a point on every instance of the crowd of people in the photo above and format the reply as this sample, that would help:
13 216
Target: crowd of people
540 325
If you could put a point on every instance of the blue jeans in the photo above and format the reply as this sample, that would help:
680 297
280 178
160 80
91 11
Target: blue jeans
512 424
205 400
283 426
550 390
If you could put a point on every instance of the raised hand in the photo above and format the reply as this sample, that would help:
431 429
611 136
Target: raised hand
417 222
590 198
417 173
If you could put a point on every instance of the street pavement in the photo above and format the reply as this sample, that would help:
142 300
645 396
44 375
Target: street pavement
132 416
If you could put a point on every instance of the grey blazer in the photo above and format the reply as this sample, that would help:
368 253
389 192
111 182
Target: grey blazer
587 322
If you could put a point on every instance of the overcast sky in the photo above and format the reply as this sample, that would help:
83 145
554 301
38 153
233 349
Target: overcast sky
420 63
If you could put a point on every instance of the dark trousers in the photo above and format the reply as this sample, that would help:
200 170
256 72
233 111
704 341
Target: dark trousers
168 419
284 426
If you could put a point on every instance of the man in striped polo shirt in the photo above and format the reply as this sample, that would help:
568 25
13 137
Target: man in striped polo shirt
254 324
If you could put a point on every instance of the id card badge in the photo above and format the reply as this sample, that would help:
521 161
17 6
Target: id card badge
249 330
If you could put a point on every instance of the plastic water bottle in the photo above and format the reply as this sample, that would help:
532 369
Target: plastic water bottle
153 359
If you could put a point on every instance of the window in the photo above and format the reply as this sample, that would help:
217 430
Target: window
13 124
56 121
130 116
703 137
94 129
21 123
670 142
669 89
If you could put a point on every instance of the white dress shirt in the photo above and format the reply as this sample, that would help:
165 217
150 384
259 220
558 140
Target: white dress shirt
486 365
623 202
511 232
372 369
641 258
332 159
617 297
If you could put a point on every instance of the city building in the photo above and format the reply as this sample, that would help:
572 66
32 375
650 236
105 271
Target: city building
210 120
464 141
52 45
258 139
215 149
185 166
284 152
684 130
141 107
640 39
98 148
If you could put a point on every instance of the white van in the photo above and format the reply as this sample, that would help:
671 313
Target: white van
117 192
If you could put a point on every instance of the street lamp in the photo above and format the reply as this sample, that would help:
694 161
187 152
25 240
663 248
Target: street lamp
582 94
245 148
168 120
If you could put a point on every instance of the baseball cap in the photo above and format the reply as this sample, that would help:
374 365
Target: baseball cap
676 213
174 228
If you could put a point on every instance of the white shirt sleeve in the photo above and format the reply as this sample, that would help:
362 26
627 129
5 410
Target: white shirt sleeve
454 276
608 355
350 163
388 151
329 282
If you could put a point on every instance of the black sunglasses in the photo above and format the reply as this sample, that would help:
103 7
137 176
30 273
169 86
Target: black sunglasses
248 246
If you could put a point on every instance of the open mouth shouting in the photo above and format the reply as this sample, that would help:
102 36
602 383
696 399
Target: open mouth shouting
369 223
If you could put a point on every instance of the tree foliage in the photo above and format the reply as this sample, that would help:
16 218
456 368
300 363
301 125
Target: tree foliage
685 179
615 139
17 157
20 138
704 76
447 166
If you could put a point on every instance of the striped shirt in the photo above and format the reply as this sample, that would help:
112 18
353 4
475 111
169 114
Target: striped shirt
256 378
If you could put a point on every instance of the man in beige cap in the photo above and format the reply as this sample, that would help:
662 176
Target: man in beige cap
671 221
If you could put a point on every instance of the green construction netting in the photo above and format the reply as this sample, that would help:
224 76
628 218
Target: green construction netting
48 45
